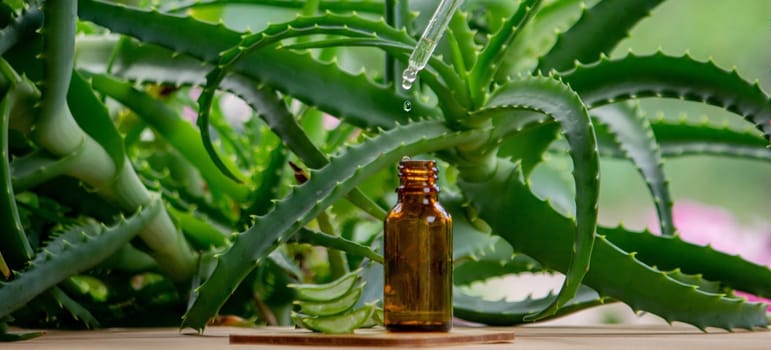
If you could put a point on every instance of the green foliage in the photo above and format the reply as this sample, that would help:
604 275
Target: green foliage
70 252
132 113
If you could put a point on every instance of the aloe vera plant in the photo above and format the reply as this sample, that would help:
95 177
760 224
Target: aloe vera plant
96 97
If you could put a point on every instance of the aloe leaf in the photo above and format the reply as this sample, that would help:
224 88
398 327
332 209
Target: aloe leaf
21 27
448 85
489 60
535 131
471 240
329 24
169 125
39 167
269 182
659 75
348 42
92 119
9 337
555 99
148 63
63 94
681 138
534 228
307 201
16 247
673 253
286 263
130 259
203 127
315 83
92 116
461 39
71 252
274 112
272 109
306 235
338 262
529 145
181 198
634 135
366 6
452 94
201 234
74 308
338 137
450 89
475 246
697 280
491 266
539 36
397 15
506 313
488 16
597 32
53 129
231 140
183 173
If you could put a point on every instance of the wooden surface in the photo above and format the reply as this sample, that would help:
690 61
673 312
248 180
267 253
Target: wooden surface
679 337
376 337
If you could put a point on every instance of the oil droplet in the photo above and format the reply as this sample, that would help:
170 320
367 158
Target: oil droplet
409 75
407 105
406 84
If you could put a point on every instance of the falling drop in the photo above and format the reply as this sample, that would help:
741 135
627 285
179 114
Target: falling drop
407 105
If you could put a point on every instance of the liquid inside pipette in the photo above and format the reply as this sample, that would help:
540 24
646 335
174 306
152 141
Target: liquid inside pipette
427 43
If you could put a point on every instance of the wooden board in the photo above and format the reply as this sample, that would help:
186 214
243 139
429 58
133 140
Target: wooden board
531 337
374 337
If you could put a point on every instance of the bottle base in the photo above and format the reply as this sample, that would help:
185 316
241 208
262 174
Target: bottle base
406 328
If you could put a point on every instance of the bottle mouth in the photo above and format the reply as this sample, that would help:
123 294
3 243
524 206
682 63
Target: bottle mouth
417 176
417 167
417 163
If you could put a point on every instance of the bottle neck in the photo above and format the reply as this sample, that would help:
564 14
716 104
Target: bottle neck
417 181
418 198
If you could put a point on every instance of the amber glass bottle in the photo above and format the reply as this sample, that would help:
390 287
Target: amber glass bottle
418 254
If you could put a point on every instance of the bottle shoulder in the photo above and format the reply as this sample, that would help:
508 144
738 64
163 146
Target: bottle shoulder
415 210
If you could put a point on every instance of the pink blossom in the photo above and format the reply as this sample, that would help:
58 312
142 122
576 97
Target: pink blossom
330 122
189 114
195 92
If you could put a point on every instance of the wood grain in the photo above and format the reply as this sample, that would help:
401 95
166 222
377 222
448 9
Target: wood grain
376 337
